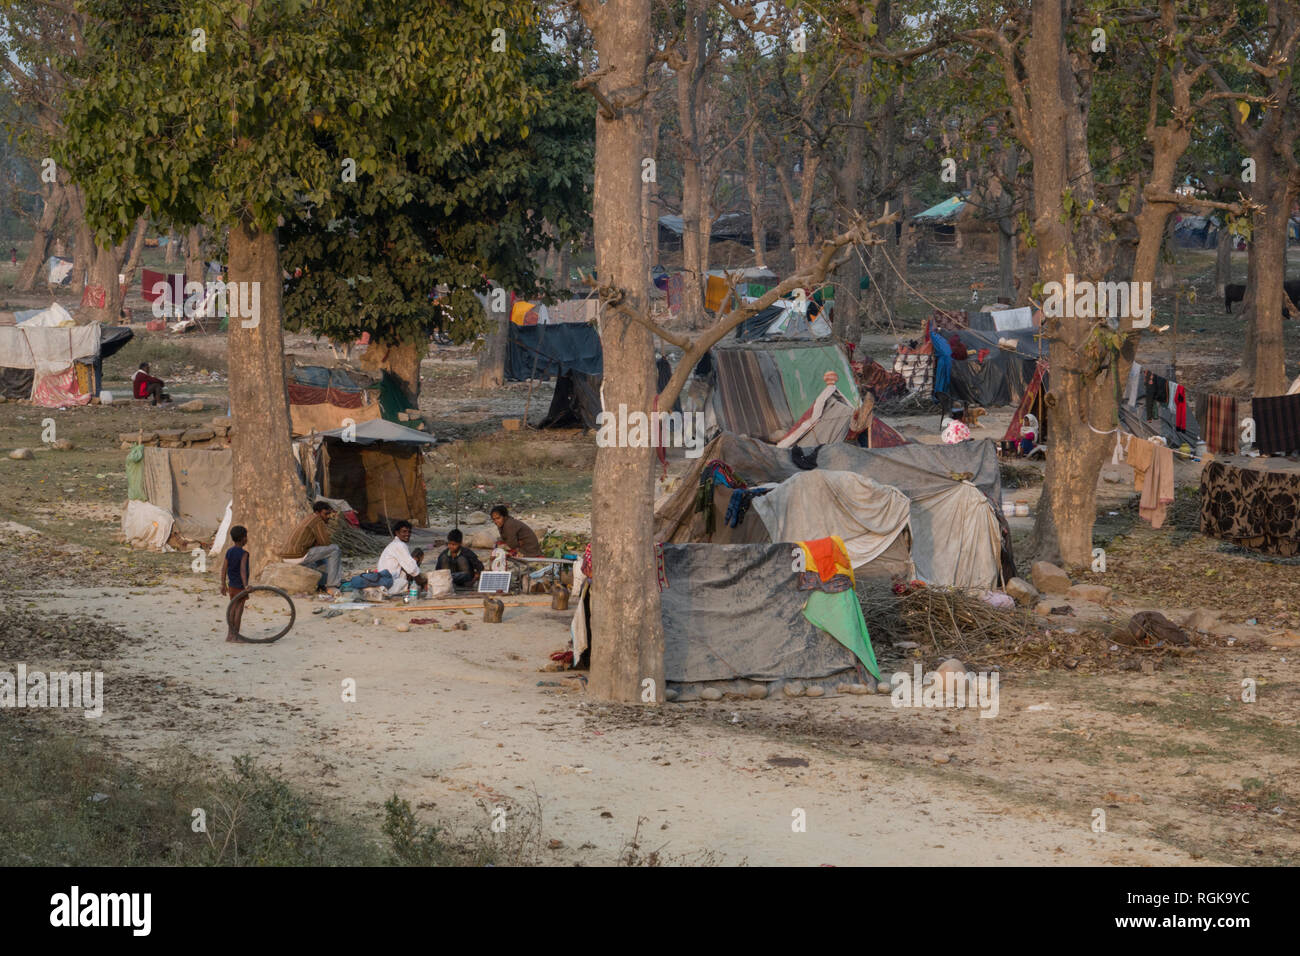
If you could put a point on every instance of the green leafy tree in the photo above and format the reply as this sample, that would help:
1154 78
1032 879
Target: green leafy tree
372 265
234 113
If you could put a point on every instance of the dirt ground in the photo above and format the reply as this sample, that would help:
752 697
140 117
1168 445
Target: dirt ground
461 720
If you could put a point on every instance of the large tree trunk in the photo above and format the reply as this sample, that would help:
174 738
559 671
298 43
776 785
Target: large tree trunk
1068 507
491 370
137 250
55 200
650 191
627 633
1269 240
401 361
194 267
848 185
96 271
754 190
269 498
695 241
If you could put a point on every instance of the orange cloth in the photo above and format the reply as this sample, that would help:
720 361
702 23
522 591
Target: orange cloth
1139 454
1158 491
716 292
827 556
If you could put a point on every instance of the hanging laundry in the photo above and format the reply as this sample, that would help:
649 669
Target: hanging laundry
1277 424
1221 425
1134 384
738 507
1158 489
1200 402
1180 408
1117 455
1140 452
1156 391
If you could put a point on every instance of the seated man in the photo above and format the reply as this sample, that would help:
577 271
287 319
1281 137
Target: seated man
516 537
464 564
144 385
398 560
309 545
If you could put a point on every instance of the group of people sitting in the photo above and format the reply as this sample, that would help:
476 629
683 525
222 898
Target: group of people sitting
400 567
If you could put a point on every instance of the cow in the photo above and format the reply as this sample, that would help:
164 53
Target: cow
1235 292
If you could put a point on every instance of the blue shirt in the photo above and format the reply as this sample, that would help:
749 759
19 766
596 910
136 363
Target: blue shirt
235 567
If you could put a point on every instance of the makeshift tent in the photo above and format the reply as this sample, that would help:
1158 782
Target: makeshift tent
321 398
575 402
733 616
51 366
542 351
958 537
1003 374
376 467
323 417
1033 402
193 485
939 222
869 516
762 388
785 319
55 317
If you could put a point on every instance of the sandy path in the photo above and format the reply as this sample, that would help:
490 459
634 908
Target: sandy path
451 718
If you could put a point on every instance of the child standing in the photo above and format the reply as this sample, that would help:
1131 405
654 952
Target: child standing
234 577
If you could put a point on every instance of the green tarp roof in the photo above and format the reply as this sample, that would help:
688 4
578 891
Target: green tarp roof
945 209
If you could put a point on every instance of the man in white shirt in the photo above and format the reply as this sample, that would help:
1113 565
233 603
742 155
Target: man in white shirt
398 560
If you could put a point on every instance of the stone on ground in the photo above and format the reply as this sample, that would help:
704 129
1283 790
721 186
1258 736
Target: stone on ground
1096 593
195 405
22 454
1050 579
1022 592
293 578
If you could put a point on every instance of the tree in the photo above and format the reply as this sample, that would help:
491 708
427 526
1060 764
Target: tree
1263 120
371 265
233 113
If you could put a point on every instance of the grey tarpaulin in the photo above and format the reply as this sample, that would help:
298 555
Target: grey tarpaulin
542 351
734 612
1003 376
918 471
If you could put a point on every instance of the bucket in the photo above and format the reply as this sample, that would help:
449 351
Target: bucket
1022 508
1008 508
106 398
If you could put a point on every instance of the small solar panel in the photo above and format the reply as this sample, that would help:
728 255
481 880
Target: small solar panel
494 582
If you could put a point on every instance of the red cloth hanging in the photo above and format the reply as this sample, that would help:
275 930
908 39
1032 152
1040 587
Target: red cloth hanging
1180 409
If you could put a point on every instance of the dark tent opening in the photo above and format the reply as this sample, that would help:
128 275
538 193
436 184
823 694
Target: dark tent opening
576 402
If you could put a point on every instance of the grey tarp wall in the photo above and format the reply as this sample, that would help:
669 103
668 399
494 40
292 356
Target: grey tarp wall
541 351
193 484
733 614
